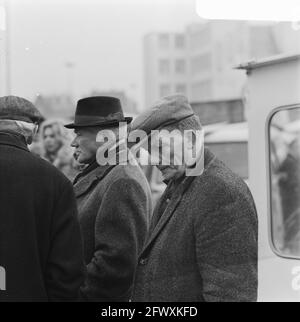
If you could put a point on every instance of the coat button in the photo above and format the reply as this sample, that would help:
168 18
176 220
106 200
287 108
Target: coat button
143 261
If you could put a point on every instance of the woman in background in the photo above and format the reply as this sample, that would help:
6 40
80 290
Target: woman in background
56 148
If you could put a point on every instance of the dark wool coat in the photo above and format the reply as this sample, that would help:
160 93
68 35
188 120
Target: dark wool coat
40 242
204 247
114 205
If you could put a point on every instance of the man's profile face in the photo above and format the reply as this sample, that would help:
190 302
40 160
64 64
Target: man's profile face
85 145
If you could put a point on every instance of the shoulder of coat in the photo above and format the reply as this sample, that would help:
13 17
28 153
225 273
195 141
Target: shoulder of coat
127 172
221 183
47 173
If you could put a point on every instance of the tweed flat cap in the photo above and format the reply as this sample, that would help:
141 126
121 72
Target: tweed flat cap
169 110
19 109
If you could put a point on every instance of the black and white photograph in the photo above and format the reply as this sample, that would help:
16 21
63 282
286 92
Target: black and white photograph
149 153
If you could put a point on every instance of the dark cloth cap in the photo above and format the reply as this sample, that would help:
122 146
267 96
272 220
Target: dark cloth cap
169 110
19 109
98 111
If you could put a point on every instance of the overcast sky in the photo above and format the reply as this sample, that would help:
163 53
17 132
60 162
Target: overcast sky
103 38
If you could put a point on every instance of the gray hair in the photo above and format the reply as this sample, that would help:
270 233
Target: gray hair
26 129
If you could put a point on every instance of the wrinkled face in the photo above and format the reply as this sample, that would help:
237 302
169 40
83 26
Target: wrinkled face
167 154
171 171
85 145
52 142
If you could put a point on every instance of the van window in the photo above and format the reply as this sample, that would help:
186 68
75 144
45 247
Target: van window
284 170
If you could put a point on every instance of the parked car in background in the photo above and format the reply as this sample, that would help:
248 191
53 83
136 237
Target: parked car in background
230 144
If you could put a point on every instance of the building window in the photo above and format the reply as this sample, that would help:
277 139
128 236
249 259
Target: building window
181 89
180 66
164 90
164 66
179 41
164 41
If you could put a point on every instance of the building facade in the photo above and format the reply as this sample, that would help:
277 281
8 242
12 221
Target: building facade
227 111
166 69
200 61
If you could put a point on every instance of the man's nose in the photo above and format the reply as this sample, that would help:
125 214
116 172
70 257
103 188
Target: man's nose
74 144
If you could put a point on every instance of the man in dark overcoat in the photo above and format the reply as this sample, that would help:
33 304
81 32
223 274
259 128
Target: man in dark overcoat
202 244
41 255
114 203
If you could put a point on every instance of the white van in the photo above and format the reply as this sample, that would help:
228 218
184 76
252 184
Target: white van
273 109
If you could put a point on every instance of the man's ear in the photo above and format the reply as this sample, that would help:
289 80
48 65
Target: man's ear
29 140
36 129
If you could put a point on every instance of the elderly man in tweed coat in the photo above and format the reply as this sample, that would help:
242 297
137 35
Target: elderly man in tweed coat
114 204
202 244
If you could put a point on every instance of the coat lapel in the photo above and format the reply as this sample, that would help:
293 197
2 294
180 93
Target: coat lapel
174 202
85 183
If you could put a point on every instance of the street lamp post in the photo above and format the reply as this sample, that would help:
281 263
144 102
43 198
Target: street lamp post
5 78
69 69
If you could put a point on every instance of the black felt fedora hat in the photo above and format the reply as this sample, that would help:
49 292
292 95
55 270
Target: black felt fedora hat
98 111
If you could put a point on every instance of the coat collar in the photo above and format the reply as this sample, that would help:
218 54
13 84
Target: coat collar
13 139
178 195
86 182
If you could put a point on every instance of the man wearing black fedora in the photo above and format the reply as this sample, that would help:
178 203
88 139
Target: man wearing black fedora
114 204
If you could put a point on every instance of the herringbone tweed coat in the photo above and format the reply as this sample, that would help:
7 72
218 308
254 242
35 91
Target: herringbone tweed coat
114 204
204 247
